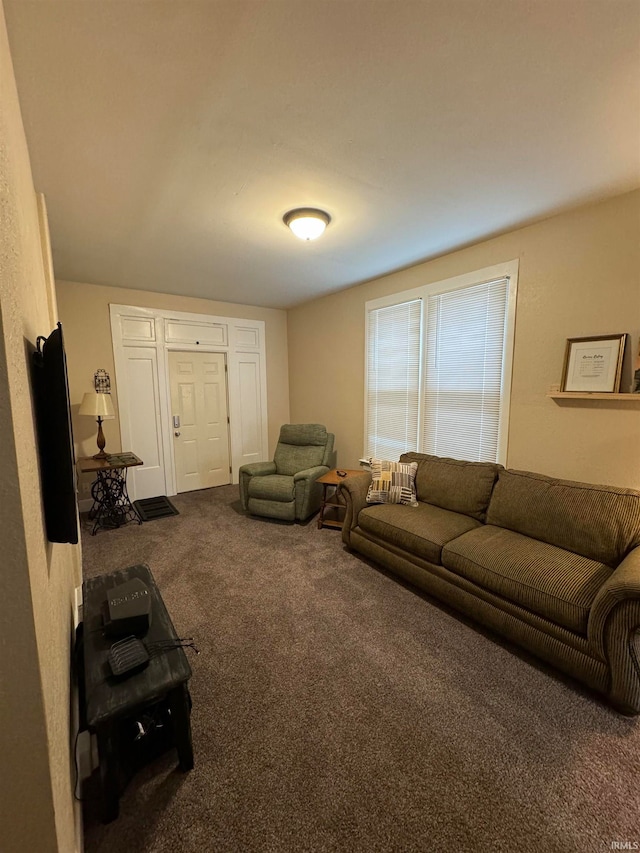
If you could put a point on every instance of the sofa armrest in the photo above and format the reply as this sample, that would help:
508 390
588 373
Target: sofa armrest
353 490
623 585
614 630
246 472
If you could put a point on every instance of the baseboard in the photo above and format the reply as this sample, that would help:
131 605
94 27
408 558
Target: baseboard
85 505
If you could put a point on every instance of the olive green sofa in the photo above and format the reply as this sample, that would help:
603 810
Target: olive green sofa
286 489
552 565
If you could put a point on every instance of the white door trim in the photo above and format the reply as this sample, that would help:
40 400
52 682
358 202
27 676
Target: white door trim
133 326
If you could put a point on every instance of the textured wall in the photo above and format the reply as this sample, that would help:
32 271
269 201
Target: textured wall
579 275
38 578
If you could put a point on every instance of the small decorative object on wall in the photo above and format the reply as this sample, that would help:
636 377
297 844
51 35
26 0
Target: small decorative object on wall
102 382
593 364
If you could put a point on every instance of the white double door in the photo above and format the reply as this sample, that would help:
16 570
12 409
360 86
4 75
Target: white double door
200 423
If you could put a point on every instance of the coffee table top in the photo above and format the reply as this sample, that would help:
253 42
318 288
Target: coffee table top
106 696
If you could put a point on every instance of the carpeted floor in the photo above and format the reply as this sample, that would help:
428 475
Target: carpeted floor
334 709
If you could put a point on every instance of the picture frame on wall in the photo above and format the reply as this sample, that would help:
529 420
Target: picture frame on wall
593 364
635 387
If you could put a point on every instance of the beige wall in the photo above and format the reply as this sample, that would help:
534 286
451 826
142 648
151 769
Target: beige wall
38 578
579 275
84 313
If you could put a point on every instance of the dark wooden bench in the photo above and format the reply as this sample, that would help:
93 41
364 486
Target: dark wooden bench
109 702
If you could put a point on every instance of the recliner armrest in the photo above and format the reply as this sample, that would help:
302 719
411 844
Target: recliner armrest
354 491
308 492
258 469
246 472
311 473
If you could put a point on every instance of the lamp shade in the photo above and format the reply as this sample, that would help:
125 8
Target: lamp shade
307 223
97 406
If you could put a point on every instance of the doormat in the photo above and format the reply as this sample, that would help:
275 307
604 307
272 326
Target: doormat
151 508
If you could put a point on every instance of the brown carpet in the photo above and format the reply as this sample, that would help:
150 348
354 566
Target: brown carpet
334 709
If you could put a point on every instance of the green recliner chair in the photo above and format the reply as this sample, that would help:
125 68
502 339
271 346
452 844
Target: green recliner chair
286 488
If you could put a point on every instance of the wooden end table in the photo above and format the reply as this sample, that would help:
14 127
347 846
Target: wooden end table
332 509
111 505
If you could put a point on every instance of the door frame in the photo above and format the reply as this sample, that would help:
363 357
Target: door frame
181 348
240 339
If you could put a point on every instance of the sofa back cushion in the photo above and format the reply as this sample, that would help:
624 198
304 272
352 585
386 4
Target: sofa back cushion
453 484
598 522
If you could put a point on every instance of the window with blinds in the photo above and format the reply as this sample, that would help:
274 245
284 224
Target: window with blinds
393 379
463 373
438 370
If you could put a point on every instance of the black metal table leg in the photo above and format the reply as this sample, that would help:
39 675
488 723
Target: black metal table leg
111 505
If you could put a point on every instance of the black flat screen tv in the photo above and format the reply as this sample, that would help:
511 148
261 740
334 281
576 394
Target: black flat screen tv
55 438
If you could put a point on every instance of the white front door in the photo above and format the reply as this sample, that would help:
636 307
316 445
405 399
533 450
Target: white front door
200 426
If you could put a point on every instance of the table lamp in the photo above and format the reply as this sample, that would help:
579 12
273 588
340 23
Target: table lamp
100 407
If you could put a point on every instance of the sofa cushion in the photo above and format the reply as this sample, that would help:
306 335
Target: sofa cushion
556 584
304 434
300 446
454 484
291 458
274 487
421 530
392 482
599 522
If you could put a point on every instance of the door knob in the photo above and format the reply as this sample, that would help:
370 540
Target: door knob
176 434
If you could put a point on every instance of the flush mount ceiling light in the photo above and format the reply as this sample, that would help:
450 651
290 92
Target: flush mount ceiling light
307 223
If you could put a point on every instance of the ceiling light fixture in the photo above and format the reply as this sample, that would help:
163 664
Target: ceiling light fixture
307 223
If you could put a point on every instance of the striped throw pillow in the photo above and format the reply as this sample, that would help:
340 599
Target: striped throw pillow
392 483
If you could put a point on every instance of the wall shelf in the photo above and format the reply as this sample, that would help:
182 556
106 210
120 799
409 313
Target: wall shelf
593 395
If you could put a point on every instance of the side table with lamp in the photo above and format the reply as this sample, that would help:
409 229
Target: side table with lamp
111 505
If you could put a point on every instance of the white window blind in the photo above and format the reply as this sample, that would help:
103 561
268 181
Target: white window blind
438 368
393 379
465 347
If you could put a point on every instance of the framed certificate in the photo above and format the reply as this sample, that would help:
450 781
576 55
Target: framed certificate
593 364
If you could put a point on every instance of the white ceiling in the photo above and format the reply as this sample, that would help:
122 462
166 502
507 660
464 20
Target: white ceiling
171 137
